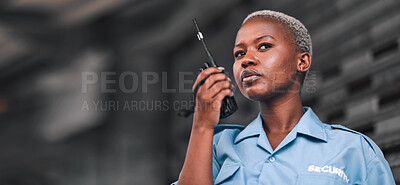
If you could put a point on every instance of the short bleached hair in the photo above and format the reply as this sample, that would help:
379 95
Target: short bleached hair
300 33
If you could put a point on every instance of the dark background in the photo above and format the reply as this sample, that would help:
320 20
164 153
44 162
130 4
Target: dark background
51 132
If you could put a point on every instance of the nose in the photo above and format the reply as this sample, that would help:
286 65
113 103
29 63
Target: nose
249 60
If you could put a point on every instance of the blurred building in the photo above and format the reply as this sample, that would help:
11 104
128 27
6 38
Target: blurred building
90 89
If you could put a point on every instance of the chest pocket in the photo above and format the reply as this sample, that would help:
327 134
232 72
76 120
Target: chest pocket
226 173
319 180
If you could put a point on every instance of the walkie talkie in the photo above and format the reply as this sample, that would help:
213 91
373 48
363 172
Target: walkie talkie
229 105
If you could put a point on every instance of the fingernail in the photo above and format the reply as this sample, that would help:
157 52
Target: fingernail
221 68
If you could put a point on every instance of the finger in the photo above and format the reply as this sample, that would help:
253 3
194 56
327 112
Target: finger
219 87
222 94
217 102
208 94
205 94
213 79
205 73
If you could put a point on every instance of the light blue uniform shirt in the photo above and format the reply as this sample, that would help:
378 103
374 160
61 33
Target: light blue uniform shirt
312 153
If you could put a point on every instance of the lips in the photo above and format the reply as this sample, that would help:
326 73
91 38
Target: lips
249 76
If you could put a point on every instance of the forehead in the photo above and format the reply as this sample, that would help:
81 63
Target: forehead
260 26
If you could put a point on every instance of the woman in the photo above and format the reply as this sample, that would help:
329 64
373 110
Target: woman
286 143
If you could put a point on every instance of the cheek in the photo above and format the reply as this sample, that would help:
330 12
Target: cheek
276 73
280 65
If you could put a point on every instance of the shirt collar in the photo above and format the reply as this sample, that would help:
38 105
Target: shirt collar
309 125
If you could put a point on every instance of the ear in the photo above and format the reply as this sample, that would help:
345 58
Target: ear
303 62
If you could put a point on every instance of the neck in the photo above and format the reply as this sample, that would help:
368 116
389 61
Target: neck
281 114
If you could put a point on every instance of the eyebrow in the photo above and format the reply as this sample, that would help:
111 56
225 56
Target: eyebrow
257 39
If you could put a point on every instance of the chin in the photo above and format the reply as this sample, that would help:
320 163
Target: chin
257 94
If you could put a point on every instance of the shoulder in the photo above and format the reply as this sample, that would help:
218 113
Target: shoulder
374 163
227 127
357 139
226 131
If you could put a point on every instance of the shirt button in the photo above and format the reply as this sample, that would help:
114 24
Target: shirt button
272 159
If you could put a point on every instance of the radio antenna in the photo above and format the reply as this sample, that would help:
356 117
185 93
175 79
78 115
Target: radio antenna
201 38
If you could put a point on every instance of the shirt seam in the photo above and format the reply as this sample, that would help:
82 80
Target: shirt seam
376 156
215 156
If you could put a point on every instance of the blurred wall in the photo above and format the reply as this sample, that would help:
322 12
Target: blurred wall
90 89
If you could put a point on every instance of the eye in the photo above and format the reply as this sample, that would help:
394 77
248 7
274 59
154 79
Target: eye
239 54
264 46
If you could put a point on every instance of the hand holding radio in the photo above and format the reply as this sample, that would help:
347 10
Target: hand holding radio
213 101
216 86
228 104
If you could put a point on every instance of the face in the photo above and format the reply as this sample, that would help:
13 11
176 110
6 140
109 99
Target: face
265 59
